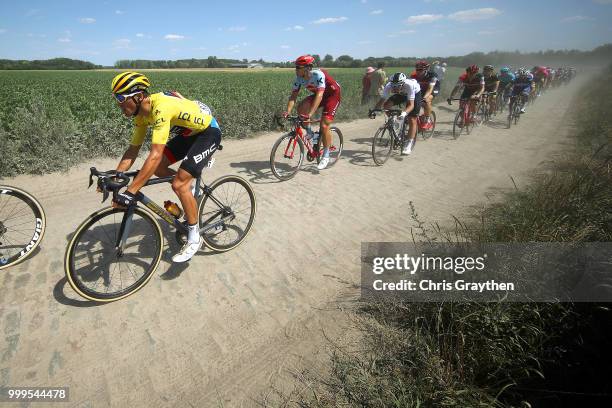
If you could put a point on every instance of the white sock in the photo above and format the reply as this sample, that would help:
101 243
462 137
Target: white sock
193 236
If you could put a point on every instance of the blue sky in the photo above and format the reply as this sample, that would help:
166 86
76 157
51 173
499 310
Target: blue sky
105 31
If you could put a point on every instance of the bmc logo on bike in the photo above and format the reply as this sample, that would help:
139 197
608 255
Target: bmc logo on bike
199 157
35 238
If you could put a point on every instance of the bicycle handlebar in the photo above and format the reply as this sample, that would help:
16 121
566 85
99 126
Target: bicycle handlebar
390 112
111 180
295 120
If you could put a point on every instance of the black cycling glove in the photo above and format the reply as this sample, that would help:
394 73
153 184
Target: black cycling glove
125 199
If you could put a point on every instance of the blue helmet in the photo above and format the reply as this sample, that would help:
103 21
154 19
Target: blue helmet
504 70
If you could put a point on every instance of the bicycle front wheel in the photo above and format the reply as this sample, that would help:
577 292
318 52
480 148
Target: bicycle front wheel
98 269
227 211
382 144
22 225
459 124
287 156
427 133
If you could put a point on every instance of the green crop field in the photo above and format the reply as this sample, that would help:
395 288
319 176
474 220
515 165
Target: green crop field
50 120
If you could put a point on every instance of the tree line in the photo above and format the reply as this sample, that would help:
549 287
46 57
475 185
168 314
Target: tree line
210 62
597 56
55 63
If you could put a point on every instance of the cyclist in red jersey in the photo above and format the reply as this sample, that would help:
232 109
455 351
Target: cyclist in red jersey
473 84
325 93
430 87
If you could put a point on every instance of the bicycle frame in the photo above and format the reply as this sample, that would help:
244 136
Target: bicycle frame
126 222
299 133
393 113
465 106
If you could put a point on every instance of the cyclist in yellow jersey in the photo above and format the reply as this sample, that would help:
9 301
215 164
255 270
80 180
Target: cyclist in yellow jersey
196 136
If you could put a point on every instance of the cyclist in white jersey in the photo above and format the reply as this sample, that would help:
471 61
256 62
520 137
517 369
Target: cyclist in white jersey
401 89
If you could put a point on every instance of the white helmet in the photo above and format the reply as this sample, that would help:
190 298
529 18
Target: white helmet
398 78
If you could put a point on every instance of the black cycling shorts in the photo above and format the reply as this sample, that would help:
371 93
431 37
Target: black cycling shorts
399 99
196 150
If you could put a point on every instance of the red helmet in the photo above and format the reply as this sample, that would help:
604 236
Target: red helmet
422 64
304 60
472 69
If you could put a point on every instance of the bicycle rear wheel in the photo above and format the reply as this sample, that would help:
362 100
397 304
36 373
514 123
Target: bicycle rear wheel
287 156
335 149
98 270
226 212
22 225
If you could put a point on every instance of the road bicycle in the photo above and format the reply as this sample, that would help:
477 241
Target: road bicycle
115 251
482 114
287 155
503 97
514 110
22 225
390 136
464 119
492 105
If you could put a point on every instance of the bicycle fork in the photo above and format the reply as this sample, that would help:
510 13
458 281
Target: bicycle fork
124 230
290 149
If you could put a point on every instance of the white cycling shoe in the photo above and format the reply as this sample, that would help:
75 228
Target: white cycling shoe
408 148
323 163
187 251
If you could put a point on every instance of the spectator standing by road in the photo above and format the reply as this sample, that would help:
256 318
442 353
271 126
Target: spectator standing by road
439 70
378 79
365 82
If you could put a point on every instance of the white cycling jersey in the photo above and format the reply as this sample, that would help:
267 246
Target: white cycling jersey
410 88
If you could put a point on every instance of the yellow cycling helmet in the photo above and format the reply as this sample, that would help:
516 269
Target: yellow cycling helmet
129 82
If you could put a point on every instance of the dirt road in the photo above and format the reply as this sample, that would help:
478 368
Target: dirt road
216 331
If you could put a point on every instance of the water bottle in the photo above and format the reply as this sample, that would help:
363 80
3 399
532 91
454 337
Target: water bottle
173 209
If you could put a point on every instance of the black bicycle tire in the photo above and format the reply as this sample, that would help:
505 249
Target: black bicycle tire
71 274
456 129
39 228
225 179
383 129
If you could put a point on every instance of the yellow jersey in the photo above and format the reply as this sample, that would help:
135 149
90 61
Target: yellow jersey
171 113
